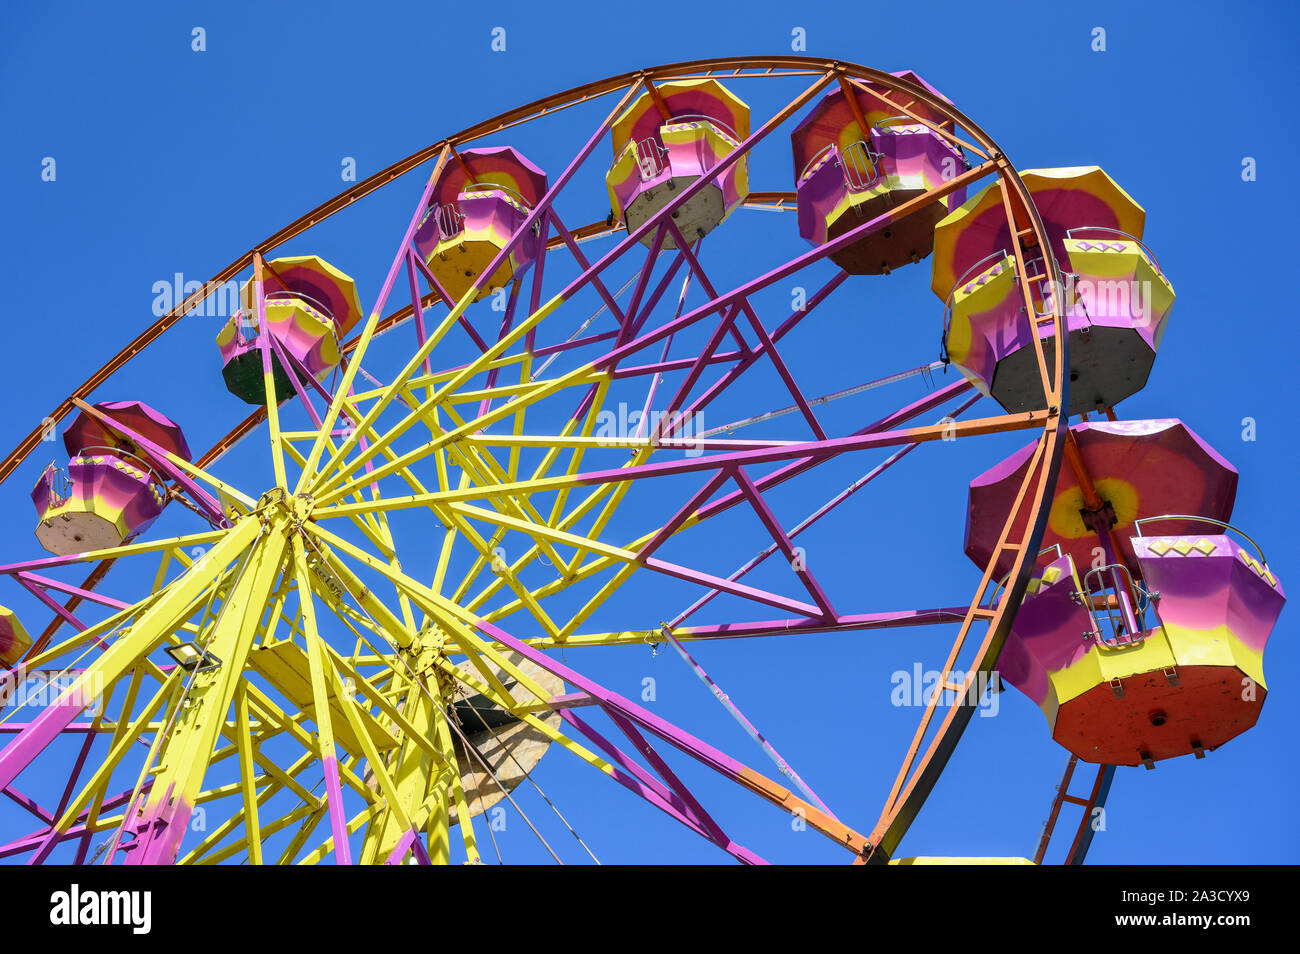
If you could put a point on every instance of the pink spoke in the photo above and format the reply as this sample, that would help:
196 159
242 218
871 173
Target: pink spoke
641 783
474 336
927 403
506 322
668 775
647 269
783 541
34 840
47 846
89 596
535 296
291 370
766 344
417 304
682 514
208 507
697 368
770 750
29 804
750 359
613 703
596 282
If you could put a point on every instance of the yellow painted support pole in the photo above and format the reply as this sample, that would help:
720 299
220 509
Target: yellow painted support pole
124 738
440 817
268 369
184 755
320 696
354 364
246 776
410 770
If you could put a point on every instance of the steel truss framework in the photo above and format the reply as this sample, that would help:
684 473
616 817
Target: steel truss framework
461 443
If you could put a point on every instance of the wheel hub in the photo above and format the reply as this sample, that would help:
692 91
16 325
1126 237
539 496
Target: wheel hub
299 507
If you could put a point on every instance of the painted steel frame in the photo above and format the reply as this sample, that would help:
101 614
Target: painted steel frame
248 568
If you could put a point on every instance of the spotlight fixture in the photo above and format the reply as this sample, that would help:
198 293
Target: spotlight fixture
192 659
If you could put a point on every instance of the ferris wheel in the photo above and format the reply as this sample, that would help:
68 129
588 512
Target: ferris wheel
512 454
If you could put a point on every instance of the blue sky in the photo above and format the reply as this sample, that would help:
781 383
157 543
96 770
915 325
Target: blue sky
171 160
